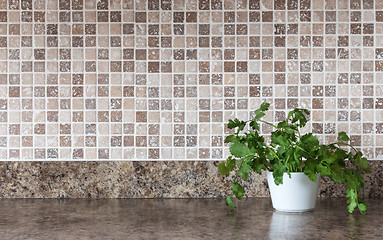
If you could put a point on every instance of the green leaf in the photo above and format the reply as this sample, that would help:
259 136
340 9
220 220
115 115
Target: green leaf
230 139
363 163
223 169
259 113
362 208
310 141
298 116
279 170
264 106
280 140
229 202
238 190
236 123
351 206
343 136
226 168
244 171
239 150
254 125
323 170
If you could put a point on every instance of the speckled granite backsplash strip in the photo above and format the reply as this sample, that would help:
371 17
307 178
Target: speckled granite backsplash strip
143 179
158 79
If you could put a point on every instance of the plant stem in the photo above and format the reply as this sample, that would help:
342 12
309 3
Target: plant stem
346 144
268 123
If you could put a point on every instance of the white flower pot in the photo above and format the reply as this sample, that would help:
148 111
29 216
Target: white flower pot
296 194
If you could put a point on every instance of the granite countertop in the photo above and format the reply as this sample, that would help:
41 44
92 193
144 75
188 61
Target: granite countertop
182 219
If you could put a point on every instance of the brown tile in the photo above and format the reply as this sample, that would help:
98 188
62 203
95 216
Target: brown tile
77 41
279 78
254 16
368 4
379 103
77 17
241 66
191 17
103 153
191 54
356 28
355 4
279 29
154 29
254 4
128 141
39 129
102 5
279 66
141 116
279 4
26 4
330 16
318 66
343 41
317 103
368 41
78 153
52 116
379 66
166 5
39 153
103 116
14 91
342 116
65 141
267 16
141 141
204 29
229 29
330 53
204 67
102 16
64 16
14 29
90 128
241 29
39 16
204 5
14 129
279 41
166 42
153 4
330 28
140 17
292 53
229 66
128 53
229 17
27 141
26 16
305 16
77 4
204 153
77 116
204 116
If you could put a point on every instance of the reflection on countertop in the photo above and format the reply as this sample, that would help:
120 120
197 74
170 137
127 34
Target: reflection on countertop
182 219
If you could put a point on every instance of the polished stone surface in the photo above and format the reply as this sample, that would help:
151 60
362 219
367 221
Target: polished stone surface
182 219
140 179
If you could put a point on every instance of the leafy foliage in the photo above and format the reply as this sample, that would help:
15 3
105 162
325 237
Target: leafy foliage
288 152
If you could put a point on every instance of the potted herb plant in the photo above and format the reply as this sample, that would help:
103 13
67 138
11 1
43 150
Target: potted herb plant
291 156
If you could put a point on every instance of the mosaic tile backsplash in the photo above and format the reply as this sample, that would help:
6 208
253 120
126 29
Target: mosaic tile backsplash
158 79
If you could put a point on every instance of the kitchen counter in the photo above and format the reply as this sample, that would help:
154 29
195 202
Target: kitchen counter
183 219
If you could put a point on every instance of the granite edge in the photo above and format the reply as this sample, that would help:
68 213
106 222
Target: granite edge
144 179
